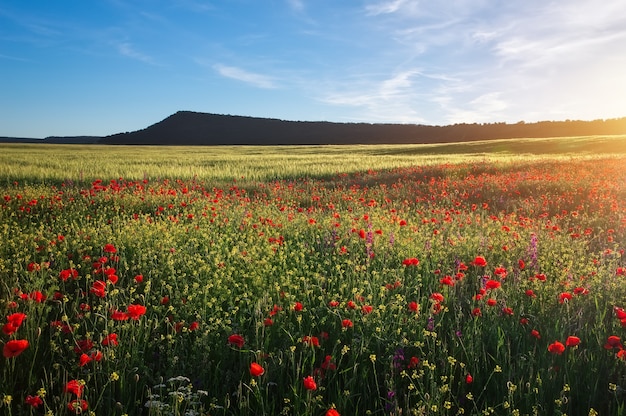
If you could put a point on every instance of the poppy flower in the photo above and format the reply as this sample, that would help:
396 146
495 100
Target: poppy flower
447 281
309 383
410 262
333 303
556 348
135 311
414 306
351 304
479 261
298 307
346 323
311 341
491 302
110 340
84 360
572 341
98 288
14 347
237 340
437 297
492 284
565 297
332 412
613 342
78 406
33 401
366 309
13 322
535 334
328 363
119 316
477 312
256 370
469 379
75 387
621 354
110 248
530 293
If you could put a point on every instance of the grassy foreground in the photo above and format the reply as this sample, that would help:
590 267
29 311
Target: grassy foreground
379 280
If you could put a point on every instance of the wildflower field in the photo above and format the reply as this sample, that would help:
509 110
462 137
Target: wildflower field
312 281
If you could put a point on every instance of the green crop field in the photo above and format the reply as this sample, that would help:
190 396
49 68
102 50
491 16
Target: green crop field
471 278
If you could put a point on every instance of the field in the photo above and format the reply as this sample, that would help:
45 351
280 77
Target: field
476 278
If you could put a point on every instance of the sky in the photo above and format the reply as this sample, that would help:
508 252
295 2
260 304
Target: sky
76 67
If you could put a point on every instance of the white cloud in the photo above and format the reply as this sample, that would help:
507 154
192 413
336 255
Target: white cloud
384 7
127 49
256 80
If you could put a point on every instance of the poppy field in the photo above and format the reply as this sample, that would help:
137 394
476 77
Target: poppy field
472 286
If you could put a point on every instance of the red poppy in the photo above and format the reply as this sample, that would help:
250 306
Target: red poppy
256 370
237 340
413 362
530 293
13 322
507 311
33 401
78 406
309 383
311 341
492 284
298 307
621 354
437 297
328 363
14 347
109 248
556 348
333 303
98 288
479 261
119 315
613 342
83 360
564 297
75 387
469 379
447 281
477 312
491 302
135 311
411 262
346 323
139 278
521 264
366 309
620 313
535 334
332 412
414 306
351 304
110 340
572 341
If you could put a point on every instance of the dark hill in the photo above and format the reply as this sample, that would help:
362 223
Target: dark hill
191 128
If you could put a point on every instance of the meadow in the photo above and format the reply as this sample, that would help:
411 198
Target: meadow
472 278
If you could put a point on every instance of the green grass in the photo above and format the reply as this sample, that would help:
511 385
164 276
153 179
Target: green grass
35 163
301 252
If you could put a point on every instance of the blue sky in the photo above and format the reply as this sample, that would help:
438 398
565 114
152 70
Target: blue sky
76 67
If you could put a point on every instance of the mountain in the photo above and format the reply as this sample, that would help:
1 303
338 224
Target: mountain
192 128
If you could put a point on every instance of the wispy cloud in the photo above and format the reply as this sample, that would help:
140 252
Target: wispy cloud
128 50
254 79
384 7
297 5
